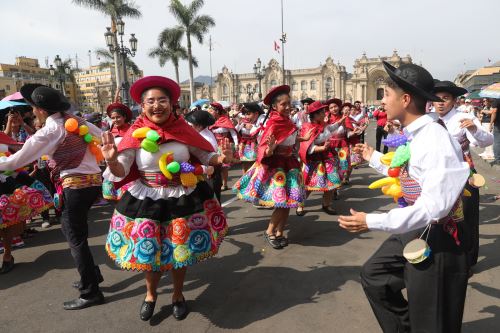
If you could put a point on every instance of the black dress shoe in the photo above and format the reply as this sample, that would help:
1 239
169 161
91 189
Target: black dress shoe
7 266
179 309
82 303
78 284
329 210
147 310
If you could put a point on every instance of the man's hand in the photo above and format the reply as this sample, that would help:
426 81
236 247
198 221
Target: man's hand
468 124
354 223
365 151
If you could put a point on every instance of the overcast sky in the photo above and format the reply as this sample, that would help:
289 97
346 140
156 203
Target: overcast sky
446 36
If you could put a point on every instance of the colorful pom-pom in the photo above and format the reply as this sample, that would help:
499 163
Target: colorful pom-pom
187 167
82 130
173 167
152 135
71 125
149 146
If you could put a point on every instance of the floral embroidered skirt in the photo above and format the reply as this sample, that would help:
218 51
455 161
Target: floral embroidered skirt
21 199
320 173
158 235
275 182
247 151
343 161
110 193
356 158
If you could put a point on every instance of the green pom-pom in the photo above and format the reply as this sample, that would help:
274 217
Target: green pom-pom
149 146
87 137
173 167
401 156
152 135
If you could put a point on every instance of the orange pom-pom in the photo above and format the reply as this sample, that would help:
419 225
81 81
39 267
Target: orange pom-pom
71 125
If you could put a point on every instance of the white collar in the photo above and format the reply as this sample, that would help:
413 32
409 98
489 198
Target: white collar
411 130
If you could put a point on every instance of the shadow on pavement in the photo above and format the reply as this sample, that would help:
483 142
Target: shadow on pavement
490 324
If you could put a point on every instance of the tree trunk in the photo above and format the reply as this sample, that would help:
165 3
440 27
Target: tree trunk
190 61
177 73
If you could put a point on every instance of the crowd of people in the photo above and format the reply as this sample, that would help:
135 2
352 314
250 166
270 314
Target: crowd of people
167 168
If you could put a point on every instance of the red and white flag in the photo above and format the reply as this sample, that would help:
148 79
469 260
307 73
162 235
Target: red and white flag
276 47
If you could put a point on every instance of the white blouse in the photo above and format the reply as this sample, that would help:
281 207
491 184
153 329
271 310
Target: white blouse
222 130
148 162
327 133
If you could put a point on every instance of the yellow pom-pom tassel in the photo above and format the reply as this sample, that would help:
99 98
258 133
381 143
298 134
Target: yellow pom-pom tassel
189 179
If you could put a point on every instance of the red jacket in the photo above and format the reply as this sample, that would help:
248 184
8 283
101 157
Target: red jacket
381 117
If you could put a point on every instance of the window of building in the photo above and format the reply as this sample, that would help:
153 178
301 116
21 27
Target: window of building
329 83
241 89
380 94
303 85
224 89
7 86
274 83
295 86
313 84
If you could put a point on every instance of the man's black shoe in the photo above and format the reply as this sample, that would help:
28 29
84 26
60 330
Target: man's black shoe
82 303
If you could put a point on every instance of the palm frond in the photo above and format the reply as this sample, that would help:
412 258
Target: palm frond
92 4
171 36
104 53
194 7
180 12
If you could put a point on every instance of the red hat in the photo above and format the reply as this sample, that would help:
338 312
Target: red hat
217 106
346 104
120 106
284 89
148 82
315 106
334 101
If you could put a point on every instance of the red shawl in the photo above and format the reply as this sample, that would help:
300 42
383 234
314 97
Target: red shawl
120 132
304 145
223 122
172 130
339 141
278 125
7 140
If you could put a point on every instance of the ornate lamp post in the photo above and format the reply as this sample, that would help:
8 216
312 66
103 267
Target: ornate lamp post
123 52
250 92
60 73
259 73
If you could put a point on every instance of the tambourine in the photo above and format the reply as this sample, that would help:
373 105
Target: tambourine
476 180
416 251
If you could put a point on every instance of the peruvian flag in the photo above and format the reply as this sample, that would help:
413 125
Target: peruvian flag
276 47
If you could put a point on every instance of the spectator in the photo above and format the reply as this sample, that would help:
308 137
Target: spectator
495 129
381 116
485 117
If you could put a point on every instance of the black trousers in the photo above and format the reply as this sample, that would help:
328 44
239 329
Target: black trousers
215 182
471 214
77 203
435 288
379 135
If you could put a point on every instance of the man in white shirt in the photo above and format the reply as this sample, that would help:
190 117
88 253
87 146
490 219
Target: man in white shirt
301 117
432 178
466 129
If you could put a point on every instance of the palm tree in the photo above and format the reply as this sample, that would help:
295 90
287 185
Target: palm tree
191 24
170 49
114 9
108 60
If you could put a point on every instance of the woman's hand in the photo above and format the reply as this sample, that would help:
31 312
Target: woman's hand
108 148
271 145
308 135
226 151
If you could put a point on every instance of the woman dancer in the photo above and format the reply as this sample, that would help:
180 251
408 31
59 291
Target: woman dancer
356 125
275 179
318 158
120 116
168 219
249 128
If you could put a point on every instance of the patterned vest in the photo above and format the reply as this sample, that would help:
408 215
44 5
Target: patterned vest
411 191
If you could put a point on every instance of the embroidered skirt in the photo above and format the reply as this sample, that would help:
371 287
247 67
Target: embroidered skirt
247 151
110 193
343 161
158 235
320 173
355 158
21 199
276 182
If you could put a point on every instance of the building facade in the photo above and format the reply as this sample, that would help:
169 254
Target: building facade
475 80
328 80
28 70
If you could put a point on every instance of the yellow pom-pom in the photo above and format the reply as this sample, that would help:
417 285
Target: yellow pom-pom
83 129
189 179
140 132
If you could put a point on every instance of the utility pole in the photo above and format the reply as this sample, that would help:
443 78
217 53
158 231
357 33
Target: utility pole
211 76
76 61
283 41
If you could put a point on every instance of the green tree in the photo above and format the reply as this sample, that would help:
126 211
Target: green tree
170 49
114 9
106 60
191 24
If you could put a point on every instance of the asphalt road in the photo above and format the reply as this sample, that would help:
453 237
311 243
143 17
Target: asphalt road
312 285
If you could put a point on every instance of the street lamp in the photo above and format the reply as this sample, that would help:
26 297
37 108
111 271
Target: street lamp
60 73
123 52
259 73
250 91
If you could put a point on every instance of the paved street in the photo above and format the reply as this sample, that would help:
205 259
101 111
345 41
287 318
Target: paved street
312 285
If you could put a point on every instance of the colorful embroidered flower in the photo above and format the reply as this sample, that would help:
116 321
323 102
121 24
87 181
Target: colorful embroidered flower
4 201
10 213
19 197
147 229
279 194
182 253
145 250
199 241
127 229
118 222
295 194
218 221
115 241
342 154
197 221
178 231
167 251
35 200
279 178
211 204
321 169
125 253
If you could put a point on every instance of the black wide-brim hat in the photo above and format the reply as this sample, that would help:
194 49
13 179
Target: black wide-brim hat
253 107
45 98
200 117
449 87
413 79
336 101
307 100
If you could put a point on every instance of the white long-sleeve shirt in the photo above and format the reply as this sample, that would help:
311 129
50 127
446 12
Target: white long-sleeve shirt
243 130
45 142
436 163
480 137
327 133
231 131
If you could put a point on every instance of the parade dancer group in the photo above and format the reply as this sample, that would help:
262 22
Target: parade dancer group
167 172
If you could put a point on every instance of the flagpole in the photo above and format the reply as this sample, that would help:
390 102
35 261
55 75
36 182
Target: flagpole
283 41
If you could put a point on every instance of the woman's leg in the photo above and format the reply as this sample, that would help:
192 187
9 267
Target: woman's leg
6 237
283 217
178 276
300 209
327 198
152 281
225 173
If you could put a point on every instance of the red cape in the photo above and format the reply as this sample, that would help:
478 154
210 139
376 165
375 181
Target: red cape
304 145
120 132
7 140
173 130
223 122
280 126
